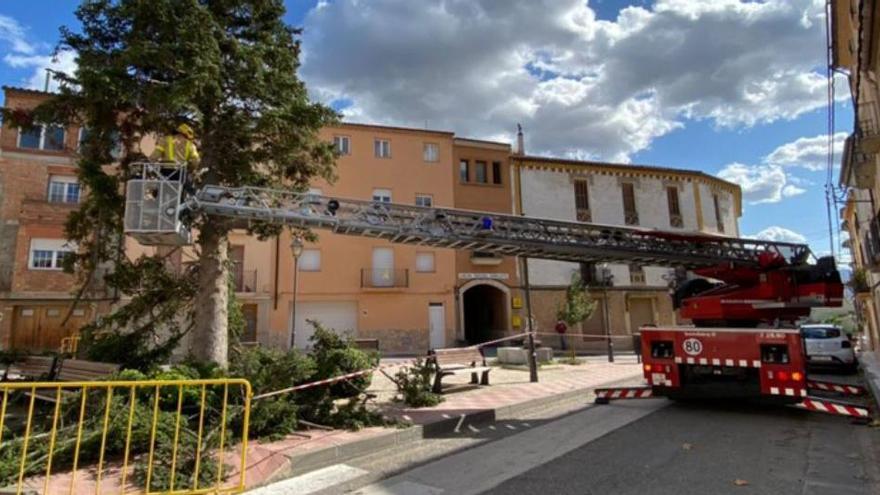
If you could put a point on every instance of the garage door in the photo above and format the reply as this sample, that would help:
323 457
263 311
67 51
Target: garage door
340 316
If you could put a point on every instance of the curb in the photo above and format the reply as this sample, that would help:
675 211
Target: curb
299 464
870 365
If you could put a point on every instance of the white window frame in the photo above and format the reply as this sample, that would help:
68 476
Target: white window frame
308 255
42 145
422 197
383 150
424 255
66 181
431 152
56 246
338 141
381 195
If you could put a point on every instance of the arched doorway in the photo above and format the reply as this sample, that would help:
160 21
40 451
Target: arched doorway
484 310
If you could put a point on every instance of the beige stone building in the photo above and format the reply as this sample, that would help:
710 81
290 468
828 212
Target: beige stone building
627 296
856 50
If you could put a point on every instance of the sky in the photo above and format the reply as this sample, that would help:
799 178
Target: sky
734 88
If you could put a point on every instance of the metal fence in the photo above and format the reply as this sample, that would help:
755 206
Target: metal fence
106 437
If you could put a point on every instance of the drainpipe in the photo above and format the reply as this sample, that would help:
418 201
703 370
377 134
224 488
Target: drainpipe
277 256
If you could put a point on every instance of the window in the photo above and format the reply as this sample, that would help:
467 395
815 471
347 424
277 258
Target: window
630 215
636 275
116 152
582 200
424 262
48 254
310 260
431 152
675 219
719 218
42 137
588 273
382 195
382 148
820 332
424 200
464 171
342 144
63 189
480 172
496 173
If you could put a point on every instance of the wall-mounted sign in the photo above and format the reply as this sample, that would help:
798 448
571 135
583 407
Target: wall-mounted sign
516 321
516 302
487 276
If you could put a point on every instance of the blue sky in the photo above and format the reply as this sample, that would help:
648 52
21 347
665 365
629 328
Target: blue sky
667 82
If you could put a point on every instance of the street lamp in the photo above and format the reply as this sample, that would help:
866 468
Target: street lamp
296 247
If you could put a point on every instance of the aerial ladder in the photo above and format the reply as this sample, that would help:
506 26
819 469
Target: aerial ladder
741 285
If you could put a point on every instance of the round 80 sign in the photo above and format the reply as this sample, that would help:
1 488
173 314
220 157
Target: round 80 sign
692 346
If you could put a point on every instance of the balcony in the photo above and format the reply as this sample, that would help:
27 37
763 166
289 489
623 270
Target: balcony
384 278
631 218
244 281
871 245
584 215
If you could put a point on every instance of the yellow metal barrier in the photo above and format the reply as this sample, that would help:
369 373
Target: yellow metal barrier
177 437
69 344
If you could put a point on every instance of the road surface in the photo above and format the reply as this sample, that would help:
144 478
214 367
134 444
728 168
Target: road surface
658 447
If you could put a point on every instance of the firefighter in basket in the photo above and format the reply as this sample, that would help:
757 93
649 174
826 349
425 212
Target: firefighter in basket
179 147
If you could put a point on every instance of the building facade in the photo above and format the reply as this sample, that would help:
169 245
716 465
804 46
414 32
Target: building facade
489 301
38 189
856 50
627 296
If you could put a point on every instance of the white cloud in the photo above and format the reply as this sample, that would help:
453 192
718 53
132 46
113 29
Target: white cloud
13 33
581 86
64 61
810 153
780 234
760 183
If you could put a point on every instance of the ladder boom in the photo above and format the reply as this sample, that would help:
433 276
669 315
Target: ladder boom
506 235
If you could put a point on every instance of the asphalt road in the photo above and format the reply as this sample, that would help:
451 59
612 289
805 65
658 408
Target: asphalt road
716 449
660 447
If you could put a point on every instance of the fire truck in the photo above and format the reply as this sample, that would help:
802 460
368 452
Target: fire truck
744 296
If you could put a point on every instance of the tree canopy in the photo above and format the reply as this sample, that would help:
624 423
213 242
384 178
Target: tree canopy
228 69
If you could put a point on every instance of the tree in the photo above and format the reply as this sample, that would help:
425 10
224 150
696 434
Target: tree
577 305
225 67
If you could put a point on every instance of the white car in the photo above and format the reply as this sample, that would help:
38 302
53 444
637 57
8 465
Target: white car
828 345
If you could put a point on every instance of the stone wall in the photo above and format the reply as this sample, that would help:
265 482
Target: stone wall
399 341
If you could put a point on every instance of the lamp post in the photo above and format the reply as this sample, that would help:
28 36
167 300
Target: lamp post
296 247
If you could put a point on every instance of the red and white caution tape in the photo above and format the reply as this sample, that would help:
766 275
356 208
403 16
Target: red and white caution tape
318 383
836 387
593 335
624 393
512 337
829 407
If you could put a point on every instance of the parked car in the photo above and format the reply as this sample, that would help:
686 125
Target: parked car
828 345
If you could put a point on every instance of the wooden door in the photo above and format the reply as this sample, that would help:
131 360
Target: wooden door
24 327
250 323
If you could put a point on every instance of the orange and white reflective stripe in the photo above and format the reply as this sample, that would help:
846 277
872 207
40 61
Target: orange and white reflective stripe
836 387
741 363
830 407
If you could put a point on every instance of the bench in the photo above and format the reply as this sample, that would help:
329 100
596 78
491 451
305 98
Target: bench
77 370
31 368
457 361
367 344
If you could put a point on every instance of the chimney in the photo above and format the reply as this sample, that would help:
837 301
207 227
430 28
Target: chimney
520 143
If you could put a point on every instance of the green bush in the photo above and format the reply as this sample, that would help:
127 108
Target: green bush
268 370
415 383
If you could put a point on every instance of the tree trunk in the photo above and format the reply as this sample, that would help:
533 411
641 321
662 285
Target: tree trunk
210 339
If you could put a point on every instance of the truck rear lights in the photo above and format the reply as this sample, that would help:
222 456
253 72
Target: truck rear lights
647 367
797 376
782 376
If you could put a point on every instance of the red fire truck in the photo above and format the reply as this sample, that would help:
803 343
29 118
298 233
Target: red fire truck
731 288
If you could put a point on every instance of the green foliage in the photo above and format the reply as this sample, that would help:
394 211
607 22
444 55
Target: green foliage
268 370
235 318
860 281
415 382
229 70
578 305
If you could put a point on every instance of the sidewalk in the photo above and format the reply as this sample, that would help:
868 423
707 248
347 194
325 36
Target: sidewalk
509 391
509 394
870 363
